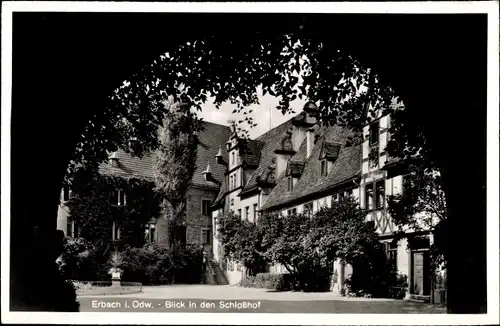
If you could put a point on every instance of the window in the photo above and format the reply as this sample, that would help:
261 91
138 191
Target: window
232 201
375 195
205 206
65 193
324 170
374 133
206 237
292 211
380 193
341 195
239 212
254 212
247 212
290 183
115 231
150 232
232 159
308 209
391 250
369 196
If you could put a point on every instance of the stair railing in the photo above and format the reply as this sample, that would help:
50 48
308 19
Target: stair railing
210 274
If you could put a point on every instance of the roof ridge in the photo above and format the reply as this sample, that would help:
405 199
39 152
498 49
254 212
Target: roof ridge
278 126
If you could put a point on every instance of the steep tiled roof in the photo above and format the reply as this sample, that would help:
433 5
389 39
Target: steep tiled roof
221 194
345 167
250 152
210 138
129 166
269 143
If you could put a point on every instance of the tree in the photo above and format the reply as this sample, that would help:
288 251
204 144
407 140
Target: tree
421 207
242 242
175 162
307 246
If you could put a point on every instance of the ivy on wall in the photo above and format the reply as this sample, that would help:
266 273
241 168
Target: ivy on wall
93 207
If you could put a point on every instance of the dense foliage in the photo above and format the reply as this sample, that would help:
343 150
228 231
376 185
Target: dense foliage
306 247
242 241
153 265
175 162
150 264
276 282
93 208
421 207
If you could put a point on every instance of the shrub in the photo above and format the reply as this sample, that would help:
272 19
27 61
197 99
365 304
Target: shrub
271 281
372 274
77 259
400 286
248 281
440 282
153 265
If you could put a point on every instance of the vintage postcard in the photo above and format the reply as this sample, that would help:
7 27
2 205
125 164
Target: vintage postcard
250 163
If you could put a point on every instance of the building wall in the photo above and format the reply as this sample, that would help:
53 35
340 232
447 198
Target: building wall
249 202
62 218
196 221
63 215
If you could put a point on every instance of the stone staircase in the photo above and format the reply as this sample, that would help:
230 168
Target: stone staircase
215 274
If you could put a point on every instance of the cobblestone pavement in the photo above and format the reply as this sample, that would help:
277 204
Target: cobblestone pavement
157 299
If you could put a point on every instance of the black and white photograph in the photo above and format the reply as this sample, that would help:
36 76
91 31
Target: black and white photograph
245 163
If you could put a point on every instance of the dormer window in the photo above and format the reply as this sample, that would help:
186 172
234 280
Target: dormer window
290 183
113 160
374 133
324 168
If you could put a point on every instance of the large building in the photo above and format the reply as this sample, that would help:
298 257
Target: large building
301 166
198 227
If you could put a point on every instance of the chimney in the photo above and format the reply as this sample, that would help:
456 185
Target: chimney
310 141
113 159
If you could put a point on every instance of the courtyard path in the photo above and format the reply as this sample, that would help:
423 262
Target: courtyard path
157 299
